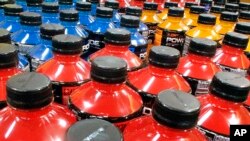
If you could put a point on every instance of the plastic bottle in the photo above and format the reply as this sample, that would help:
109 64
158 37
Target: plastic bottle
164 14
115 6
98 28
23 63
70 20
231 57
31 114
107 95
197 67
65 4
223 106
50 12
138 43
244 16
117 42
2 3
207 4
216 10
174 117
187 8
205 29
11 21
93 129
66 69
34 6
160 74
84 9
171 32
8 68
191 21
231 7
137 11
244 6
94 5
247 102
29 35
227 22
43 52
150 18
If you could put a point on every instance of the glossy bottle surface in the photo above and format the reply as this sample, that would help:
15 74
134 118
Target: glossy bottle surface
191 20
227 23
50 12
164 14
85 16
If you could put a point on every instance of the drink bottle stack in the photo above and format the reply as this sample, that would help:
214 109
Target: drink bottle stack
124 70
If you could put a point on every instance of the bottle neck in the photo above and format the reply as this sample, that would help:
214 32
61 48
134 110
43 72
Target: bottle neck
84 13
66 58
103 20
50 15
157 71
34 8
31 28
223 103
47 43
232 50
69 23
174 19
106 87
150 12
116 48
131 30
199 59
193 16
205 26
12 18
227 23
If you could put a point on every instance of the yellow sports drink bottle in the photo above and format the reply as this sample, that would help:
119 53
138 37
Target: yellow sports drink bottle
216 10
191 21
164 14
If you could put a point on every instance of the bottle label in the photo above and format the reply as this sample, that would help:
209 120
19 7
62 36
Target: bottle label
151 32
140 51
144 34
23 48
242 72
173 39
62 91
186 45
35 63
212 136
96 42
198 87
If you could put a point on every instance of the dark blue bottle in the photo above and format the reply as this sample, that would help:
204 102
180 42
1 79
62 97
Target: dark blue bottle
23 63
94 5
138 43
84 9
22 3
97 29
65 4
43 52
29 35
2 3
70 20
136 11
50 12
34 6
115 6
11 22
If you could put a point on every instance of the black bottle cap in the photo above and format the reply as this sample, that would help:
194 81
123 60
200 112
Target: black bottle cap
245 15
170 4
207 19
69 15
83 6
217 9
93 1
242 27
30 18
176 109
35 3
12 10
244 6
117 36
134 11
202 46
197 9
229 16
94 130
189 4
108 69
205 2
230 86
50 7
112 4
4 36
231 7
67 44
8 56
3 2
29 90
129 21
175 12
236 40
150 6
164 57
65 2
47 31
104 12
